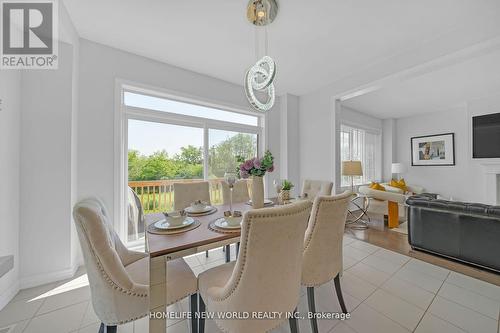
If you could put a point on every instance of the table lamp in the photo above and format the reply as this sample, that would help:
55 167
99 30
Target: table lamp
398 168
352 169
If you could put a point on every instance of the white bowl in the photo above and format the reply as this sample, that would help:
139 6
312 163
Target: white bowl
175 220
198 207
233 221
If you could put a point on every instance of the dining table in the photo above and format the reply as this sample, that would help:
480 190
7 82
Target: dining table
163 248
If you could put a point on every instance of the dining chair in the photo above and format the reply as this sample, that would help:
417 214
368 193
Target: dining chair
313 188
322 259
118 277
266 275
186 193
135 214
240 192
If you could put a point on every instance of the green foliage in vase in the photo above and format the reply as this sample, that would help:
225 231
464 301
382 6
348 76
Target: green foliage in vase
287 185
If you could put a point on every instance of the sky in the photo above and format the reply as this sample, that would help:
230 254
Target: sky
149 137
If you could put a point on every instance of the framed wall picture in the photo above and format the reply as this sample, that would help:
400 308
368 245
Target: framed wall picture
436 150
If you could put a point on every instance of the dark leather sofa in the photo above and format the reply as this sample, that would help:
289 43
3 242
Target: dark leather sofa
467 232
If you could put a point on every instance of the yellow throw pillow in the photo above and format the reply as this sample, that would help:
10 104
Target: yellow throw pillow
401 184
377 186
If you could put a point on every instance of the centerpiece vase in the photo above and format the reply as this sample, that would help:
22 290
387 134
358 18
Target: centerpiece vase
257 192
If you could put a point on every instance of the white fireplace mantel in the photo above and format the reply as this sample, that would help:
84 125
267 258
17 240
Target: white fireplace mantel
491 178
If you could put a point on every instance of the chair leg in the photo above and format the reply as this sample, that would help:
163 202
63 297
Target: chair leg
202 309
228 253
294 327
312 309
107 329
206 254
237 249
193 305
336 280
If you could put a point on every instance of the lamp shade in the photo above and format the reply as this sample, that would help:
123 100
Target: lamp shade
352 168
398 168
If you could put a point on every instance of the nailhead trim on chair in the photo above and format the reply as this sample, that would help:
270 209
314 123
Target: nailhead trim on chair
103 272
243 257
308 241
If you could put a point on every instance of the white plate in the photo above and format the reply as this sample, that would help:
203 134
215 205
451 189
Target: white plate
165 225
190 210
223 224
267 202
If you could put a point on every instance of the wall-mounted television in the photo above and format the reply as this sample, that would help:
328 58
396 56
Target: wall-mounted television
486 136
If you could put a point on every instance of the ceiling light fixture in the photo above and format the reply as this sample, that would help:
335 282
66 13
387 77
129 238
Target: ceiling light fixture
260 77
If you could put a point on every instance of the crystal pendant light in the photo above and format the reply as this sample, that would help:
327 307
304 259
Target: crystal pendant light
260 77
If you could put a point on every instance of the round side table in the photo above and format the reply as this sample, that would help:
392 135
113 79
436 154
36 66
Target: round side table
358 218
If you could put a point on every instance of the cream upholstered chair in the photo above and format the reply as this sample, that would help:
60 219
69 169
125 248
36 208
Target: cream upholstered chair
313 188
240 192
119 277
323 247
265 276
186 193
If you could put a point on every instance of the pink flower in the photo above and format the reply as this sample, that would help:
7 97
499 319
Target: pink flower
248 165
257 163
271 168
244 174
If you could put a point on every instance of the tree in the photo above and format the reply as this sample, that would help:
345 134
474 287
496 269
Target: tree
190 155
222 157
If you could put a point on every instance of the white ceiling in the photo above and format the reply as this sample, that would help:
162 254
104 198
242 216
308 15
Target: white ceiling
314 43
433 91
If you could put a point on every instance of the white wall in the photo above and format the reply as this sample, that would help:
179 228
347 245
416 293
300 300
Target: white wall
46 124
100 66
10 111
464 181
389 147
289 141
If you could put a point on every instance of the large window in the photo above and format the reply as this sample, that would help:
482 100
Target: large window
168 141
363 145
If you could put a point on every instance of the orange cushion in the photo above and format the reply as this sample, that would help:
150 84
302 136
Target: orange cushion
377 186
401 184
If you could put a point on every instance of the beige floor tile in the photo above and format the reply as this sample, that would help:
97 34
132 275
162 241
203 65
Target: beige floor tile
342 328
348 262
419 279
31 293
355 253
429 269
348 240
364 246
477 302
402 312
92 328
369 274
392 256
409 292
356 286
366 320
462 317
18 311
480 287
16 327
60 321
327 301
381 264
192 261
433 324
65 298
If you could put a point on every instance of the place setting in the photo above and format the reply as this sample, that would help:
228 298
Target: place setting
173 223
200 208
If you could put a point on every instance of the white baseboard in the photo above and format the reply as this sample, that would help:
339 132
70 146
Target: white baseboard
40 279
9 294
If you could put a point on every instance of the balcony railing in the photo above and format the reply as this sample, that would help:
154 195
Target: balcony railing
158 195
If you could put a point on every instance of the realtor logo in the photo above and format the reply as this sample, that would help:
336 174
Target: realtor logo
29 34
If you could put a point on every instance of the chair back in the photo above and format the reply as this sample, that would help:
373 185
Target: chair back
104 255
313 188
240 192
266 276
135 214
186 193
323 241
